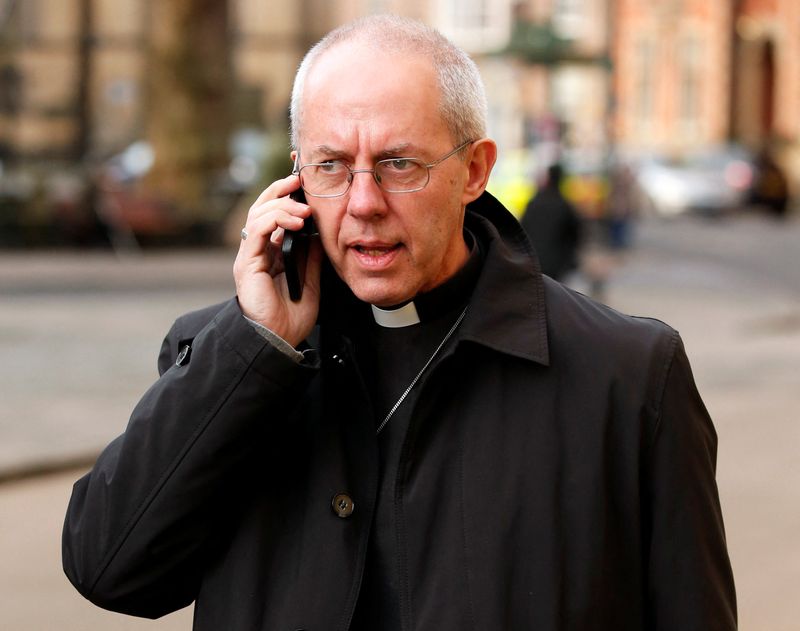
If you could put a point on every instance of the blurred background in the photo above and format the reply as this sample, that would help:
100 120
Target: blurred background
134 134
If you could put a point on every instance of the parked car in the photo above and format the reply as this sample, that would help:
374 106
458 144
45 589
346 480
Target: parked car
713 181
46 203
133 215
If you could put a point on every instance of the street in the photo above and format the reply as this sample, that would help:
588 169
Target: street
734 294
79 336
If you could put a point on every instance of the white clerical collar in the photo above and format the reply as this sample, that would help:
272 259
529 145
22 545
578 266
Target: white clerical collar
396 318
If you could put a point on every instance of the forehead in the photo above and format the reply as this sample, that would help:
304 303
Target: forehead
356 88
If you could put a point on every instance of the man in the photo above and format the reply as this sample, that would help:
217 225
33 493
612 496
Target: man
435 436
553 226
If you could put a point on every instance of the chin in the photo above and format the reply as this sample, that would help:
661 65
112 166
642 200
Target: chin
379 292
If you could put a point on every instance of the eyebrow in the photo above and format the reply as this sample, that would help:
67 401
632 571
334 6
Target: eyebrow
336 154
397 150
329 152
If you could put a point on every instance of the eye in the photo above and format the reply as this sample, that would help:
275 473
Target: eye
399 164
330 167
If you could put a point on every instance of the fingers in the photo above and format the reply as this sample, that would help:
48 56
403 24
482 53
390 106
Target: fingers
258 269
268 229
271 214
277 190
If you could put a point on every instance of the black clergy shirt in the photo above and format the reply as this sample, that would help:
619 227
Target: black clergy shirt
391 358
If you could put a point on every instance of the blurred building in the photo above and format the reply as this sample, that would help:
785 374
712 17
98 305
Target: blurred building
567 79
673 73
692 73
73 72
765 89
559 97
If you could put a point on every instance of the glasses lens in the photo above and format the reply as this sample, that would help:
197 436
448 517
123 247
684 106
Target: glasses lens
401 175
328 179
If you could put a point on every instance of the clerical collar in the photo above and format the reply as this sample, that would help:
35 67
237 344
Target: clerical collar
396 318
454 292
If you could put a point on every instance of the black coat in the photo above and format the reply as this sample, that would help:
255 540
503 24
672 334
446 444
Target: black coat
558 474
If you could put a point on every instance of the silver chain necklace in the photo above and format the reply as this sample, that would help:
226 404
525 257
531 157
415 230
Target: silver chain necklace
420 373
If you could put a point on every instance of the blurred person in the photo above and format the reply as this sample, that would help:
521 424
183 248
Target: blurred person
770 186
553 226
435 435
621 206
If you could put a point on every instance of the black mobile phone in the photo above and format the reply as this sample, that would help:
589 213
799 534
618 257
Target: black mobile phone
295 251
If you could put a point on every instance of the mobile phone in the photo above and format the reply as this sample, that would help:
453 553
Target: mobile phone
295 251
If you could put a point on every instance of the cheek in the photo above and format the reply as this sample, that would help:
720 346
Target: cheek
328 222
330 245
430 237
445 221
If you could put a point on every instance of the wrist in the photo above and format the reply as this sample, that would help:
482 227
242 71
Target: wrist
276 340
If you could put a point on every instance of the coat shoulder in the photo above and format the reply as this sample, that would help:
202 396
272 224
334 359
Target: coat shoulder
571 313
582 331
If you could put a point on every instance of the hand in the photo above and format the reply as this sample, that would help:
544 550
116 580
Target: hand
258 269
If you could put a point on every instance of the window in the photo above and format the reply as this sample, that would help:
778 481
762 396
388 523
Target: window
570 18
644 87
476 25
690 60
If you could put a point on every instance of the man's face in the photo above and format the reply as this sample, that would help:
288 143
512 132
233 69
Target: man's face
360 106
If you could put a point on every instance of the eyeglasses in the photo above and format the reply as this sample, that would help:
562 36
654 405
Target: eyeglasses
333 178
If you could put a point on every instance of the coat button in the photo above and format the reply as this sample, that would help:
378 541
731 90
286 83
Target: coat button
343 505
183 356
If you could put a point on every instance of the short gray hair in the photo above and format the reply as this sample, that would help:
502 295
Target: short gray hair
463 104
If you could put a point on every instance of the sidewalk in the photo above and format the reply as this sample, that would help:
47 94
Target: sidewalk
79 338
79 335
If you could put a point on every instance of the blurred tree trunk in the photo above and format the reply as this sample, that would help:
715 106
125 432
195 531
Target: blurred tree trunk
189 97
82 140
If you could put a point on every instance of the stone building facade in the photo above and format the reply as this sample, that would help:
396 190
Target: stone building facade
73 71
662 76
690 73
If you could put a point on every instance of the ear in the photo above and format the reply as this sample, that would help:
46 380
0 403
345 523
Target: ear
479 163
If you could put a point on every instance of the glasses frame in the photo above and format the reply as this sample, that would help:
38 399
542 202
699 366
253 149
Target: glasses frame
298 170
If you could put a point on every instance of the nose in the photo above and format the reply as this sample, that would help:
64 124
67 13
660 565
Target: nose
365 198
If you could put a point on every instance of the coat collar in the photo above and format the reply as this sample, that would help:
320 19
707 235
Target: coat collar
507 309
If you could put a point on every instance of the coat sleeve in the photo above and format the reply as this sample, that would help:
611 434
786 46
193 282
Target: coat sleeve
689 580
139 524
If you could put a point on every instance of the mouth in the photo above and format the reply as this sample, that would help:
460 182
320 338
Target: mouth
376 255
375 250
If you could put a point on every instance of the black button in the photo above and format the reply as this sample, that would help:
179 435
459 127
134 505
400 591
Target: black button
338 359
343 505
183 356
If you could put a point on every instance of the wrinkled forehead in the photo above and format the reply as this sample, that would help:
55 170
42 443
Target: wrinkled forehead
355 81
358 62
354 69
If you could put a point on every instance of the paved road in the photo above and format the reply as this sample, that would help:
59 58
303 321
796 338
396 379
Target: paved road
733 291
78 338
